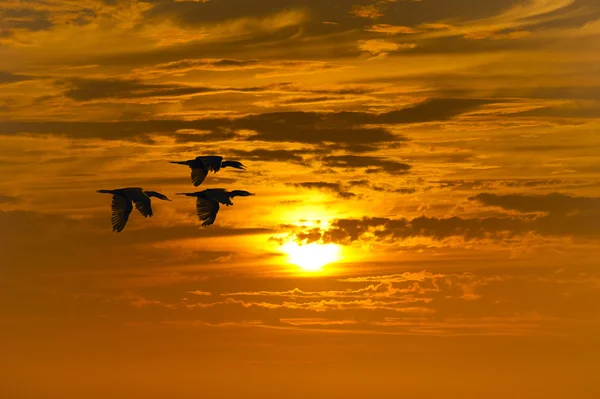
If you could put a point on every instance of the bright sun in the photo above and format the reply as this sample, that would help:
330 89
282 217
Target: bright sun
311 257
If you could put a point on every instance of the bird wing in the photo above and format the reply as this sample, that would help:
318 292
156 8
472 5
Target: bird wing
121 208
213 163
198 175
144 205
207 211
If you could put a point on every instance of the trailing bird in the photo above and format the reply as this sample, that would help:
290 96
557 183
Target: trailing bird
123 200
207 202
200 166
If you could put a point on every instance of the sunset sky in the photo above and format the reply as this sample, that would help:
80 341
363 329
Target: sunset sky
443 156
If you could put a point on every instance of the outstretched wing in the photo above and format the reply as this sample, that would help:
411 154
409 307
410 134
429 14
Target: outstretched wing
198 175
212 162
207 211
144 206
121 208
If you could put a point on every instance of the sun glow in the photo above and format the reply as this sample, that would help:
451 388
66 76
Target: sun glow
311 257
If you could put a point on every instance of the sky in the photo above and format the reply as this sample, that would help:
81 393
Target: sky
426 217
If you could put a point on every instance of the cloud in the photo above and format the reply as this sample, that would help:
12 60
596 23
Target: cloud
80 89
397 278
512 35
384 289
35 227
279 68
373 164
200 293
382 47
371 11
515 18
301 127
492 184
8 199
336 188
398 305
367 184
315 321
266 155
175 23
391 29
558 224
553 204
8 77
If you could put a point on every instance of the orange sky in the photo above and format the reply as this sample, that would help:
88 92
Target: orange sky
446 151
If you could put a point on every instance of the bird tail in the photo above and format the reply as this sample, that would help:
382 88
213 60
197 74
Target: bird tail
179 162
188 194
105 191
239 193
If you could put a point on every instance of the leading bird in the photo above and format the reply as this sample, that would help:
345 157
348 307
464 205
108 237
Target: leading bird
200 166
123 200
207 202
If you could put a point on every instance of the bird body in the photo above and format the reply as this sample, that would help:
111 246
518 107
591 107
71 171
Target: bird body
201 165
123 200
207 202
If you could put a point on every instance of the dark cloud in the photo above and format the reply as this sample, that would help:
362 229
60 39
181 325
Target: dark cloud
591 92
24 18
566 217
8 77
29 226
264 155
202 63
8 199
92 89
366 183
346 231
187 65
491 184
584 111
358 148
301 127
309 100
374 164
336 188
554 204
343 189
430 110
400 13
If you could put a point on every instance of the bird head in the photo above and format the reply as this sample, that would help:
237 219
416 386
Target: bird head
157 195
233 164
240 193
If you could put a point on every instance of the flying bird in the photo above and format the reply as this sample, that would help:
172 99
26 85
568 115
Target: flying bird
200 166
123 200
207 202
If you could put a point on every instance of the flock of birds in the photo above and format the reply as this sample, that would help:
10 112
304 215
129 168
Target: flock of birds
207 201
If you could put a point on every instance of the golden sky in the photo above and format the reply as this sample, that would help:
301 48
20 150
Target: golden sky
426 221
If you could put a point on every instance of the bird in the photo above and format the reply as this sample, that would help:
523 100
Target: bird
200 166
207 202
122 204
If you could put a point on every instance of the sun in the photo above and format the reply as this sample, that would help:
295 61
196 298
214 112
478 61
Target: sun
311 257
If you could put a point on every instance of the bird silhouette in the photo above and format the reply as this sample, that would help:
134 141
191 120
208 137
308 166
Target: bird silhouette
200 166
123 200
207 202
